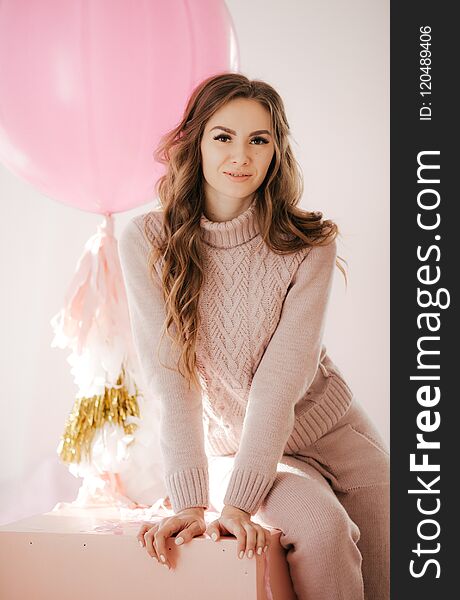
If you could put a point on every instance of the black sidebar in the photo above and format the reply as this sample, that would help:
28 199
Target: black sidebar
425 269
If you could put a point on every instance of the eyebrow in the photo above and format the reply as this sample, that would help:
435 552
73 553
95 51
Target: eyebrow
234 132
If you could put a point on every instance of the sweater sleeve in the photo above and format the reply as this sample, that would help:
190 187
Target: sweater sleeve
181 421
283 376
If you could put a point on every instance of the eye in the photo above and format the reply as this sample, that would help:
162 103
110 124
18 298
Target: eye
222 135
259 139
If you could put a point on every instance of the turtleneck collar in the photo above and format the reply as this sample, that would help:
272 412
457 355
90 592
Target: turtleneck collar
236 231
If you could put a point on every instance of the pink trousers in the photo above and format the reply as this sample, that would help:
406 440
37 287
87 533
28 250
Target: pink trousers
331 501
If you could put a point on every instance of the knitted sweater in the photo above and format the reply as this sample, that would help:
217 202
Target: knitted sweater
268 387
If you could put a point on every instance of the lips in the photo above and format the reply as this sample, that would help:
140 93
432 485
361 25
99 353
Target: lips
237 178
237 174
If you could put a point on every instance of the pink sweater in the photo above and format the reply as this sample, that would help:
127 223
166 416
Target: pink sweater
267 385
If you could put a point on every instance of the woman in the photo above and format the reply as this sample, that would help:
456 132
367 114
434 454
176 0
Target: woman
240 277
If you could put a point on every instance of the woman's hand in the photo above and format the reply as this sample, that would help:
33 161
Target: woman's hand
189 523
250 535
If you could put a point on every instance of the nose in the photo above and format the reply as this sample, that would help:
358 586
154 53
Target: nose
240 156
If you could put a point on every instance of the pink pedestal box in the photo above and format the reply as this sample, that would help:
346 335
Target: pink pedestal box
93 554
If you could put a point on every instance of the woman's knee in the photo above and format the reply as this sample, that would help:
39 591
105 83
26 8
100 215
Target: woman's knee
327 529
308 513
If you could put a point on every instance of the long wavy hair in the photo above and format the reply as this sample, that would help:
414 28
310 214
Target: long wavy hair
283 226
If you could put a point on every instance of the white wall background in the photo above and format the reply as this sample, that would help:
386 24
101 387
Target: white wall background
330 63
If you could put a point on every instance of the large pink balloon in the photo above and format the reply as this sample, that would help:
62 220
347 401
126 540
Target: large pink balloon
87 89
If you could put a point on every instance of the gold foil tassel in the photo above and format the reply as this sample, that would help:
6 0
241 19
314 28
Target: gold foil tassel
90 414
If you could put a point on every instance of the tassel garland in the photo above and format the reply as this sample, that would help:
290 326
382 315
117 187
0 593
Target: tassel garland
90 414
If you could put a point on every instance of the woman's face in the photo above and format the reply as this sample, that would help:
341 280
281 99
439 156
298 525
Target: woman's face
236 139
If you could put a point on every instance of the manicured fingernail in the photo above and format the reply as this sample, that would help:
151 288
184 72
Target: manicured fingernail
259 550
250 553
162 558
140 543
241 554
265 548
179 540
214 536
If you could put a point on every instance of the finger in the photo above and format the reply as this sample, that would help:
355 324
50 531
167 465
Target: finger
251 537
172 525
140 534
188 533
268 540
149 545
145 526
260 541
240 533
213 530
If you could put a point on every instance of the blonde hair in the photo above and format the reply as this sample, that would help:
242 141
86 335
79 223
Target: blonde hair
283 226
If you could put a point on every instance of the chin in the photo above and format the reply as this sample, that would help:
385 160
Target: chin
239 193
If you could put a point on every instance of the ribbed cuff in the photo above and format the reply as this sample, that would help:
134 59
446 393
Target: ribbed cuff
188 488
247 489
